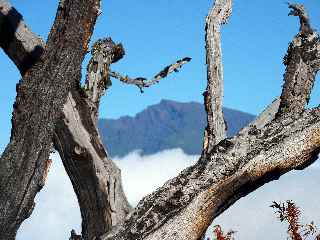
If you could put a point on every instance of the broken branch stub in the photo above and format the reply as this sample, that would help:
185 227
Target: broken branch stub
142 82
302 64
213 95
104 52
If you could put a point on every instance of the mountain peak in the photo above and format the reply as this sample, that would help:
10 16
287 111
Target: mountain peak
166 125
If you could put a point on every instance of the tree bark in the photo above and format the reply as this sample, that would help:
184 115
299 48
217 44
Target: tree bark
213 96
18 42
95 178
40 96
302 65
273 145
183 208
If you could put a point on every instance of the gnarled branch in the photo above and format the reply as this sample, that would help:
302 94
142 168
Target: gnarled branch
298 10
185 206
70 140
302 65
19 43
40 96
104 52
95 178
216 128
142 83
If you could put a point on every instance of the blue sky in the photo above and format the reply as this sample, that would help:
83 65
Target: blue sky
156 33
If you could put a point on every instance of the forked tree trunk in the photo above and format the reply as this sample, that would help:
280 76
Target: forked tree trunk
282 138
95 178
40 96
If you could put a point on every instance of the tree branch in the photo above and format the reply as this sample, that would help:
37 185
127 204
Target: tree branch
142 83
185 206
302 64
216 128
264 118
19 43
40 96
298 10
94 176
104 52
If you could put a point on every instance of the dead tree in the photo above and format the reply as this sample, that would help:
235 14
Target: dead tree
52 108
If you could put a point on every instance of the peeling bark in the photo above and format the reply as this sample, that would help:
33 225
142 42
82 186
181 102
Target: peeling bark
96 179
18 42
142 82
40 96
183 208
213 96
302 65
104 52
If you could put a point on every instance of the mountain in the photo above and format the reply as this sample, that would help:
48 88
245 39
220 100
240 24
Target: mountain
166 125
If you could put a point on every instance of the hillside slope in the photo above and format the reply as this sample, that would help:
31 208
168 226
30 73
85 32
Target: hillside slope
166 125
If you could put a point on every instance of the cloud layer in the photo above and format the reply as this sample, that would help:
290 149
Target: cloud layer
143 174
57 211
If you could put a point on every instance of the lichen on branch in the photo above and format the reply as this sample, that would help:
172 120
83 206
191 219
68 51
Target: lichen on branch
142 82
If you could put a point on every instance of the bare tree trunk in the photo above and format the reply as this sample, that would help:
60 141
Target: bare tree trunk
18 42
213 96
275 143
271 146
40 96
302 64
185 206
95 178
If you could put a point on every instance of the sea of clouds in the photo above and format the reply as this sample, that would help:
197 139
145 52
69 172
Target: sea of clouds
57 211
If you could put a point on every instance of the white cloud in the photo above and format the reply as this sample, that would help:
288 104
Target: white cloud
143 174
57 211
252 217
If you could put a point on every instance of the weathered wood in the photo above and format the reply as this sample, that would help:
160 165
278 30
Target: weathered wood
95 178
302 65
267 115
104 52
78 120
40 96
213 96
185 206
101 198
142 82
21 45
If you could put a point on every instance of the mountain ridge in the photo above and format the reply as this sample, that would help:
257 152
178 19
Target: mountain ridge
166 125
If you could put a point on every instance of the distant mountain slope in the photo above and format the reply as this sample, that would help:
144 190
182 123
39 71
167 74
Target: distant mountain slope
166 125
